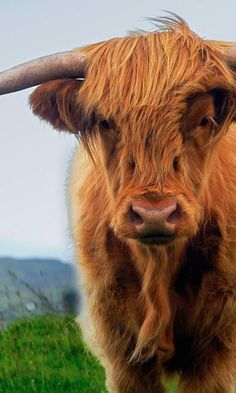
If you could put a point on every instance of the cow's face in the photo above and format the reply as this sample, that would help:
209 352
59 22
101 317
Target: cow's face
153 123
157 167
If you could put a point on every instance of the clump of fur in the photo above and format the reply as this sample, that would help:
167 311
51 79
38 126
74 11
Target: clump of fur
159 308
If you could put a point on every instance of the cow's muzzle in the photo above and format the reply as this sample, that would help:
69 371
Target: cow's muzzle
155 223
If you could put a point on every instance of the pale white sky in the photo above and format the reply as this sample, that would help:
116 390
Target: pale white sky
33 157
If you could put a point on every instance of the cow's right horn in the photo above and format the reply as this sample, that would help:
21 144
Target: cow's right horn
70 64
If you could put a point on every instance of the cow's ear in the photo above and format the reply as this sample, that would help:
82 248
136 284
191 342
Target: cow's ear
57 103
224 101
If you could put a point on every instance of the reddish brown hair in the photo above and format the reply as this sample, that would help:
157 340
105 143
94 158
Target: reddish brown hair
140 115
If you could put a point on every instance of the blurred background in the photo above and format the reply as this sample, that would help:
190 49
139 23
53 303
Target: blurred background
36 251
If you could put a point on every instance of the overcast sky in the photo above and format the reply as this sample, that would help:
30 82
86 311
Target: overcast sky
33 157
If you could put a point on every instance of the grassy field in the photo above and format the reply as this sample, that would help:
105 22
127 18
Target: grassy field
47 355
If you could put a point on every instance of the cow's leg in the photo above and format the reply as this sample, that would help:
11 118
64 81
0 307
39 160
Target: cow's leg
215 376
114 351
197 385
127 378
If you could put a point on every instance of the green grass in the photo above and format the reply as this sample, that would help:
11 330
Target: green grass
47 355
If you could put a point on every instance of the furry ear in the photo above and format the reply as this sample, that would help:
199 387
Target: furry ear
56 102
225 105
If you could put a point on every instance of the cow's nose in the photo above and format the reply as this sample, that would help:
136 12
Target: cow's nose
155 223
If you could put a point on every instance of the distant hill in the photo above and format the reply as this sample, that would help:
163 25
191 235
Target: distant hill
36 286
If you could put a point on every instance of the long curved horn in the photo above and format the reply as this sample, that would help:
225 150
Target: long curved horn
230 55
69 64
228 50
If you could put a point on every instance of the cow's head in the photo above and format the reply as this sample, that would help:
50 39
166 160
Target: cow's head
151 110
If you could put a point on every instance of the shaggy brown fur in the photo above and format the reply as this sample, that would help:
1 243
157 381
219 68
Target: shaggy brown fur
154 115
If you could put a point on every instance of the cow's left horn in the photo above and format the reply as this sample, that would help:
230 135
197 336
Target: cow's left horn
228 50
69 64
230 55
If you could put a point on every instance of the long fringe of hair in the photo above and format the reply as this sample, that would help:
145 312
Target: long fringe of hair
142 74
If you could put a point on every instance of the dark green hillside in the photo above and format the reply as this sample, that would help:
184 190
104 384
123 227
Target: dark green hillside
30 270
34 287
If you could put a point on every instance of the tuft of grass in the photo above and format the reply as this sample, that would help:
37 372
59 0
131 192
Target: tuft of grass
47 355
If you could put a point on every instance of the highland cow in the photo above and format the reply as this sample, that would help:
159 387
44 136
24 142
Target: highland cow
152 201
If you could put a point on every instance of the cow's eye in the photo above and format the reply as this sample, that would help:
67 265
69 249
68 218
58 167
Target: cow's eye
132 163
208 122
176 164
204 122
105 125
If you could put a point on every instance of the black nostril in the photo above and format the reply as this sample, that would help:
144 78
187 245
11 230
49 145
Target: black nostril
174 216
135 217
